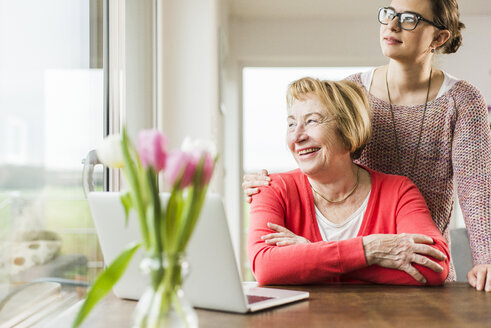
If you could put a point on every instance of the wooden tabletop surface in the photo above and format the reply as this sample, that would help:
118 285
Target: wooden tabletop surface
453 305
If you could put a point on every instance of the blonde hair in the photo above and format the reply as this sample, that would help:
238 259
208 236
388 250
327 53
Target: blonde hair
346 102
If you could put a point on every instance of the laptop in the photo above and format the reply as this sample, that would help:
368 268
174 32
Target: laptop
214 280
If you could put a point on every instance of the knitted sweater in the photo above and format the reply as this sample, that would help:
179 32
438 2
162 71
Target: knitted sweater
455 145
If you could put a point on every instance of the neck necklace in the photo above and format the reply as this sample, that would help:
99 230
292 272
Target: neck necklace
347 195
394 122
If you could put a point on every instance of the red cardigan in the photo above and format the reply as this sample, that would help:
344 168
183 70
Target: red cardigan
395 206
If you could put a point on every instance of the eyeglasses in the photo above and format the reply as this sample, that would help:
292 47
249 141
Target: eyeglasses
407 20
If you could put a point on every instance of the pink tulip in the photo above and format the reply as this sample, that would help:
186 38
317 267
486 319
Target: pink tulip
180 166
208 166
152 149
201 149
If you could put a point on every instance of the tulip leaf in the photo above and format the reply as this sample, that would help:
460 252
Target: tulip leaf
105 282
127 204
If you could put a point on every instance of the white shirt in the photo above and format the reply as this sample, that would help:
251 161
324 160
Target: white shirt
448 81
348 229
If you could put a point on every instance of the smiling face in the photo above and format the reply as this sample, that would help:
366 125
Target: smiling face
312 136
400 44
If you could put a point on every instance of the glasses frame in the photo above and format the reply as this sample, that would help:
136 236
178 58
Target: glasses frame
399 15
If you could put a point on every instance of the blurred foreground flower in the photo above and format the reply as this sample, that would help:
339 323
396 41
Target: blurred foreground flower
152 148
166 228
109 152
180 169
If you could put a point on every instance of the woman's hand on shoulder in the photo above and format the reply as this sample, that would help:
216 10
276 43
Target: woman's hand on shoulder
282 236
480 277
400 251
251 182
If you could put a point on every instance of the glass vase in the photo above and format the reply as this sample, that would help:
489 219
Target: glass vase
163 304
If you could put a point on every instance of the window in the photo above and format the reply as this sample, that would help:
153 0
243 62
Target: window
51 115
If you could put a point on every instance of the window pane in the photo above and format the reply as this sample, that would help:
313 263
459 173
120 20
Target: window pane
51 112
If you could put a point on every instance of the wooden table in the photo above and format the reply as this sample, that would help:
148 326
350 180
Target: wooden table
453 305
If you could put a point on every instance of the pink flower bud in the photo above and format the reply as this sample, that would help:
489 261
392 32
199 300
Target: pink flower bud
180 166
152 149
208 167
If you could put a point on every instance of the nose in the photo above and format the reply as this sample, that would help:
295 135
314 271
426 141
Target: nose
394 24
299 135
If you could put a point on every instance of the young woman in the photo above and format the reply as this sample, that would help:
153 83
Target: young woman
428 125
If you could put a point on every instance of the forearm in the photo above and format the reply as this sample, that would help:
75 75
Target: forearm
475 202
305 263
474 191
378 275
317 261
381 275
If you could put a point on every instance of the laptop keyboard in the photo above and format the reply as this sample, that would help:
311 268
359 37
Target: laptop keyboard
251 299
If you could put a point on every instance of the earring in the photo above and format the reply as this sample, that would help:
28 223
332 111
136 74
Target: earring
432 50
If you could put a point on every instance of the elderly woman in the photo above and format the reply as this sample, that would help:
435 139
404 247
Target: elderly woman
332 220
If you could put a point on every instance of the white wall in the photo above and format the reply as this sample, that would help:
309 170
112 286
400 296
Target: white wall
188 66
472 61
338 42
197 91
306 42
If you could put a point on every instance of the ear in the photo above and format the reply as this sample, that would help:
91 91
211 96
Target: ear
441 36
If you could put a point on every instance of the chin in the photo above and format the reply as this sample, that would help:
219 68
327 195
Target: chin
391 54
308 171
387 52
304 170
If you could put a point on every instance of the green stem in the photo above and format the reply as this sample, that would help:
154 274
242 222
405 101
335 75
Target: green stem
171 283
132 177
195 203
156 215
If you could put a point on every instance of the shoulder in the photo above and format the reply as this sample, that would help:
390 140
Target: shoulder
463 90
464 86
287 180
287 188
396 193
363 79
357 78
390 183
468 101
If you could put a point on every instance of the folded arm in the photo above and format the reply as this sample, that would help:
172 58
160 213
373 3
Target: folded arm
418 254
304 263
407 261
